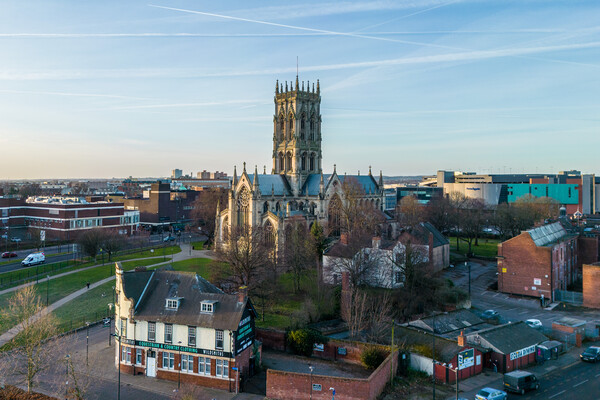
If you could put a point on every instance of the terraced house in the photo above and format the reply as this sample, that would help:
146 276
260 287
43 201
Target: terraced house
178 326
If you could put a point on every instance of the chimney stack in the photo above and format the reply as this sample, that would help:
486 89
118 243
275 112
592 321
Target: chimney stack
242 294
344 238
462 339
376 242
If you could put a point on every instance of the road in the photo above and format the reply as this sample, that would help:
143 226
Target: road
511 308
578 381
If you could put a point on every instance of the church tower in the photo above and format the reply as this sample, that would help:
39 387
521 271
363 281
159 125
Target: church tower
297 132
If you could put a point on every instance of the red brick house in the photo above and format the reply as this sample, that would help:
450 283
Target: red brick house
539 261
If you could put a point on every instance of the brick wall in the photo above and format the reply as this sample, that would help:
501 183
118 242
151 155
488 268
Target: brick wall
296 386
271 339
591 283
588 251
520 263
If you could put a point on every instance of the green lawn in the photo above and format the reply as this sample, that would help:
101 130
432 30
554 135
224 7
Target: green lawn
485 247
199 245
201 266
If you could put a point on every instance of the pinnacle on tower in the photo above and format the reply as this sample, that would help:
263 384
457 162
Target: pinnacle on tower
264 169
255 180
318 87
297 83
277 86
369 170
334 171
244 168
234 176
380 180
286 87
303 86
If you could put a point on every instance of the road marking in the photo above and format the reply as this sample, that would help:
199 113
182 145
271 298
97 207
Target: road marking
557 394
496 294
570 365
597 375
581 383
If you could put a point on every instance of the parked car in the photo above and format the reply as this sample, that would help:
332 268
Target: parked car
591 354
15 239
169 239
490 394
490 314
9 254
534 323
4 236
520 381
33 259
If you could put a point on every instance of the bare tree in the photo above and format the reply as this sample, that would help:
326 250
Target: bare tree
91 241
439 213
298 253
205 209
248 252
409 212
111 242
353 255
356 214
29 356
368 315
473 220
458 201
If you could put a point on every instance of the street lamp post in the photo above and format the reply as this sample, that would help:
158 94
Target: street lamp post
456 372
67 376
179 375
469 278
311 372
87 344
110 306
433 355
119 352
47 288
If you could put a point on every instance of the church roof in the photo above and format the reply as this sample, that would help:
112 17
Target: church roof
367 182
275 183
311 185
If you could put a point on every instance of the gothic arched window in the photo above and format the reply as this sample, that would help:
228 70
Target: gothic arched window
281 162
265 207
311 165
243 207
303 162
288 162
302 123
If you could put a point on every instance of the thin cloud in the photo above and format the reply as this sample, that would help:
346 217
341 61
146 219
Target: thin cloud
192 73
186 105
72 94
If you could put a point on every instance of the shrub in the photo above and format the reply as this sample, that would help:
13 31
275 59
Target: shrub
302 340
372 356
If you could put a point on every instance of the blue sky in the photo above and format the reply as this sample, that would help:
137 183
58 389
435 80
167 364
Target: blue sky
120 88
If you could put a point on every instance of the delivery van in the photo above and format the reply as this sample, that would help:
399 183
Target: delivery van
520 381
33 259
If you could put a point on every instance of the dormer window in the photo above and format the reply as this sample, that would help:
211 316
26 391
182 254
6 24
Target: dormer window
208 306
172 304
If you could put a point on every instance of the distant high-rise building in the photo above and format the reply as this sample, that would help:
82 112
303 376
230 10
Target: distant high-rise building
176 173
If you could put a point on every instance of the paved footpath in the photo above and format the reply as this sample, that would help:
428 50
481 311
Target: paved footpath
185 254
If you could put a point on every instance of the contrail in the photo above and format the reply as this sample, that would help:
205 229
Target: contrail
306 29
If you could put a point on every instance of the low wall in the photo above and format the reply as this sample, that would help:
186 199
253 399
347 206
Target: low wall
421 363
297 386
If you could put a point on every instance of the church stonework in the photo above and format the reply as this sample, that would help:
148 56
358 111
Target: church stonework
296 188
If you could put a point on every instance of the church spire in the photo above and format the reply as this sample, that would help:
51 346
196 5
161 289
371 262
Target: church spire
234 182
277 87
255 180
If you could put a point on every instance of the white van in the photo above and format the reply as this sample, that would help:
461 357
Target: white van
33 259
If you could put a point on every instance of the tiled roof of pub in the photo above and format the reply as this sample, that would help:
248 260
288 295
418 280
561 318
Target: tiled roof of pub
509 337
157 286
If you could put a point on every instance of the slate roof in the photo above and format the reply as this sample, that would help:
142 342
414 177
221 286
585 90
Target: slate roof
413 339
272 183
508 338
422 231
312 184
453 321
547 234
150 289
367 182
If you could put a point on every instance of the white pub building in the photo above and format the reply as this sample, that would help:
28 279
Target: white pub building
178 326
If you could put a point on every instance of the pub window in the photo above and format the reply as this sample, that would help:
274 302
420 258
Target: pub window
191 336
168 360
151 331
219 340
138 356
168 333
124 327
204 365
222 370
187 363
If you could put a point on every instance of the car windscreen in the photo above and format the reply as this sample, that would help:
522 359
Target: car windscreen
483 393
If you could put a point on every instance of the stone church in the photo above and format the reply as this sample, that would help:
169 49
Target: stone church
296 188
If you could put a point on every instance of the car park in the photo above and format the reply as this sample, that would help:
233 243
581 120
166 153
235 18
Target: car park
9 254
520 381
591 354
490 394
534 323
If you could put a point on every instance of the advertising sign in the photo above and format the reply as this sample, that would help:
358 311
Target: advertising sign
466 359
523 352
245 334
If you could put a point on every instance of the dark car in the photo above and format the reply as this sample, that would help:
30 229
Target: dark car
9 254
591 354
490 314
520 381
